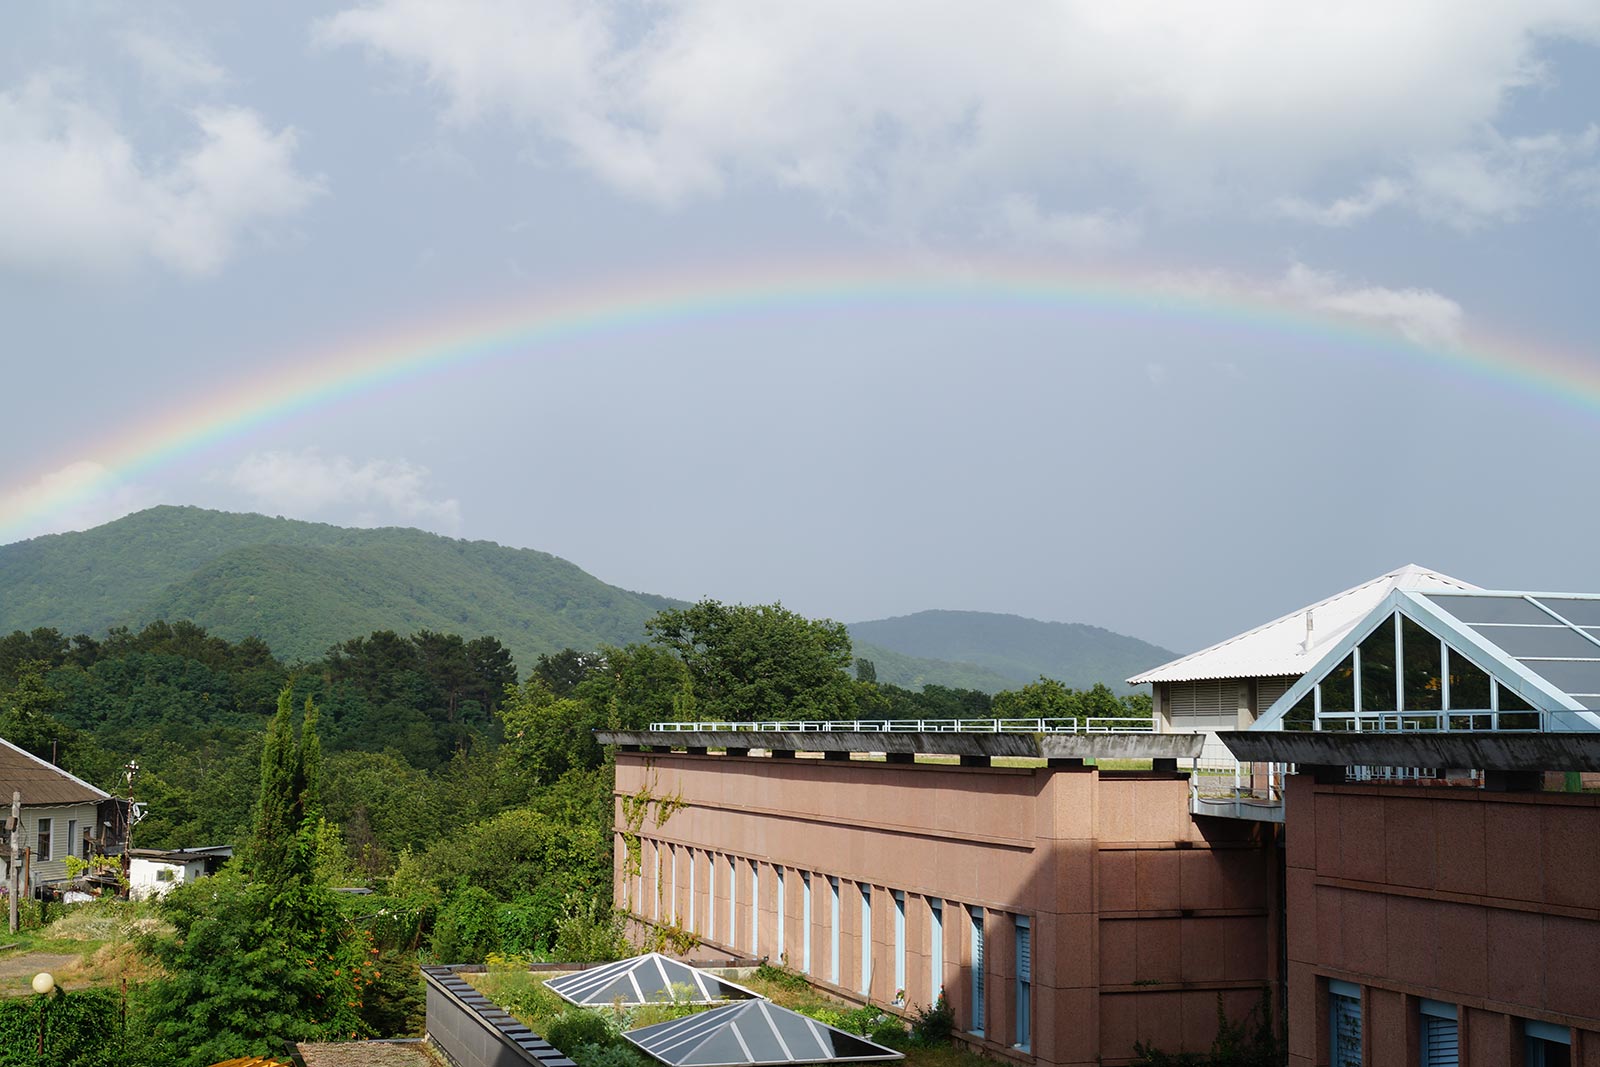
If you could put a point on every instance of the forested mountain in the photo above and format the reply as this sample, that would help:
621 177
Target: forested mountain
301 586
1014 648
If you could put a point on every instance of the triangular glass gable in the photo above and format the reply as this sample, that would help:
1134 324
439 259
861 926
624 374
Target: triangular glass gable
648 979
753 1034
1401 675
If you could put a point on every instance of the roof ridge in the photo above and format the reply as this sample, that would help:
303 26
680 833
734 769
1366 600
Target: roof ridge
53 768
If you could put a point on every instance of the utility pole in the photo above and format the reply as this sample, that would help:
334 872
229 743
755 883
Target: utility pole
14 826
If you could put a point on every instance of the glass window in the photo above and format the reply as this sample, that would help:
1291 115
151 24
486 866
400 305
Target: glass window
755 908
805 921
1378 692
694 866
866 939
1584 612
1546 1045
1344 1024
833 927
164 874
1424 657
1469 685
935 951
977 971
72 837
1339 688
900 946
1437 1032
1547 642
1476 609
1569 676
42 852
1302 715
778 874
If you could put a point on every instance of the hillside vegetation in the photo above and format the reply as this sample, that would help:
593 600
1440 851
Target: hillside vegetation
302 586
1010 648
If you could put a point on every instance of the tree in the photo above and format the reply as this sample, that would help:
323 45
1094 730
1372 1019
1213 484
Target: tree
760 662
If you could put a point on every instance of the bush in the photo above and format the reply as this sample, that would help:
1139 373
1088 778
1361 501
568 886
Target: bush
783 978
464 931
573 1029
81 1029
933 1026
590 931
618 1055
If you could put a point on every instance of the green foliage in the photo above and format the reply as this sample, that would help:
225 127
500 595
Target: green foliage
933 1025
465 930
782 977
615 1055
1050 699
760 662
302 586
578 1027
81 1029
590 931
1250 1042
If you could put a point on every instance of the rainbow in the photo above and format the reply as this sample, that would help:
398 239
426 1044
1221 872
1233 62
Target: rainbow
355 368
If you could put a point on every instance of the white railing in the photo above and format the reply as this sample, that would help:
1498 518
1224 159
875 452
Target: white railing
1243 791
1431 721
919 726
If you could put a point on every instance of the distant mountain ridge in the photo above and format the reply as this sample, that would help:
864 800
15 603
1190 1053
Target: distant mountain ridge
303 586
1014 648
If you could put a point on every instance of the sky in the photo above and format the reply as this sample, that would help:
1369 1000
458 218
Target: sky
1164 318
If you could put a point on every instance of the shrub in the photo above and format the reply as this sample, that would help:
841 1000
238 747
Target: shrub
782 977
933 1026
81 1029
573 1029
464 931
617 1055
590 931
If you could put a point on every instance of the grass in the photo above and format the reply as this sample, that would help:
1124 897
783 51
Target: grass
91 945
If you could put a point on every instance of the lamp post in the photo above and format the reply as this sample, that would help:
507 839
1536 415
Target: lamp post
44 983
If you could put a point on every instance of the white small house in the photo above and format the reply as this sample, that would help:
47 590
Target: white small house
153 871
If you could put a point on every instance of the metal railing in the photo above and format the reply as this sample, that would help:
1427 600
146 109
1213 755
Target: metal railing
1431 721
1102 725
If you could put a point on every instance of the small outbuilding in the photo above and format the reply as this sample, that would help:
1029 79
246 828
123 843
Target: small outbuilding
153 871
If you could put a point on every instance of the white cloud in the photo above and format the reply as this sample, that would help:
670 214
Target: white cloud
373 493
75 194
172 64
75 497
1238 101
1020 218
1377 194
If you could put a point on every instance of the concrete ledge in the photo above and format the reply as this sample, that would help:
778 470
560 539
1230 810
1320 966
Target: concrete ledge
986 746
1478 751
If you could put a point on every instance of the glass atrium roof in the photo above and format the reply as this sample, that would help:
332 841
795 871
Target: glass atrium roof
751 1034
1456 660
1555 636
648 979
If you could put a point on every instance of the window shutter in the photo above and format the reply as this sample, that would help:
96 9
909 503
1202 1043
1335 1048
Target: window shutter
1439 1042
1345 1027
1024 954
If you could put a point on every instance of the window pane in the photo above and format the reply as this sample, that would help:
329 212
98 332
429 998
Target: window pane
1475 609
1423 667
1579 612
1377 669
1469 686
1339 688
1548 642
1300 717
1567 676
1510 701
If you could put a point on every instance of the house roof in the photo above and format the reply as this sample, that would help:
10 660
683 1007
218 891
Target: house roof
1292 644
752 1033
41 782
181 855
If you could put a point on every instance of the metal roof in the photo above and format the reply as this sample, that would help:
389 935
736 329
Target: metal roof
648 979
41 782
1292 644
751 1034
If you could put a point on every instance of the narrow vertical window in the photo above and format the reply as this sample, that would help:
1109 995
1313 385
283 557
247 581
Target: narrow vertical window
899 946
711 896
694 865
41 852
977 971
1437 1030
778 871
833 930
935 951
655 878
1024 982
755 908
805 921
733 902
72 837
672 901
866 938
1344 1024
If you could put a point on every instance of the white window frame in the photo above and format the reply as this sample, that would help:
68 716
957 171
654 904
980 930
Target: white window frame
866 938
778 873
900 946
1024 957
805 920
711 896
755 907
44 832
935 950
694 867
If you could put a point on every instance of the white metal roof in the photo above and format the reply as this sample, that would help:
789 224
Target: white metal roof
1292 644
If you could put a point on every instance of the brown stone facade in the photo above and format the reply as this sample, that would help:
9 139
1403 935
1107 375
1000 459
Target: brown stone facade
1480 906
1139 919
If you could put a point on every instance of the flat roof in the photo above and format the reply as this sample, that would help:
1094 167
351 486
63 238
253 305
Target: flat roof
1488 751
1133 745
